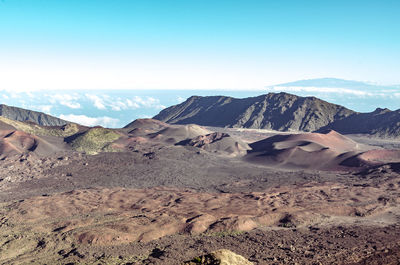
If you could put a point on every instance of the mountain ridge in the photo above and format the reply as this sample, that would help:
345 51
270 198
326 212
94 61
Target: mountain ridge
282 112
276 111
381 122
25 115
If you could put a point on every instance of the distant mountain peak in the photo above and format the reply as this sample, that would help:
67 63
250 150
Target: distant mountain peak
380 110
330 82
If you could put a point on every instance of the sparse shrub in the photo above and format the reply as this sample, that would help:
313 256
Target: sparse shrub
95 140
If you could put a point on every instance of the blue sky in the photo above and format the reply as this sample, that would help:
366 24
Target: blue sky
195 44
109 62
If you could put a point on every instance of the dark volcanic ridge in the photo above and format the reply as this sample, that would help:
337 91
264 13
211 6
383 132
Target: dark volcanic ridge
19 114
281 112
381 122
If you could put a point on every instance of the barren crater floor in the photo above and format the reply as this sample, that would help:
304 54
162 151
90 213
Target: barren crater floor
153 193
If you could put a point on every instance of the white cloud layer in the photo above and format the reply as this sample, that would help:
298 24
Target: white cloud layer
180 99
91 121
97 101
336 91
321 90
44 108
105 102
72 105
68 100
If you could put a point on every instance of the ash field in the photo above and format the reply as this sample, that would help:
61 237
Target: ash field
161 193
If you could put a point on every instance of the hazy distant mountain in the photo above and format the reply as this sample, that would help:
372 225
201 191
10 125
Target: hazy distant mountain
359 96
19 114
334 83
277 111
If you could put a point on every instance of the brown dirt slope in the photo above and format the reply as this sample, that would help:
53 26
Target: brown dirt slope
47 228
326 151
218 142
14 142
148 124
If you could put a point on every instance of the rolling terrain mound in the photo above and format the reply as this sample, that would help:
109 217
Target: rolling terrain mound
94 140
147 124
137 134
381 155
6 126
311 150
218 142
372 158
18 142
116 217
146 134
173 134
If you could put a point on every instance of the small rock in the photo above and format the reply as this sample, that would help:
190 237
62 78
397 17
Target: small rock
222 257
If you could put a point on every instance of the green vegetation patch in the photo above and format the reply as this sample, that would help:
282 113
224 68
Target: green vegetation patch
95 140
31 128
224 233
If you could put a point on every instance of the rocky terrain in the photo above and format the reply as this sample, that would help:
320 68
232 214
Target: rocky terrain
156 193
281 112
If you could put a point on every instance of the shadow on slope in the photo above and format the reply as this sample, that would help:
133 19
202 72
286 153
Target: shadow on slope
325 151
18 142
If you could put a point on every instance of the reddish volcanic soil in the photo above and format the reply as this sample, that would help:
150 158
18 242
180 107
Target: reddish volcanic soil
329 151
173 193
283 218
149 214
14 142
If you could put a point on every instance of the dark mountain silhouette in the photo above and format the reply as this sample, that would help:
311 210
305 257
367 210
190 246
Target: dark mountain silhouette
381 122
282 112
276 111
19 114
